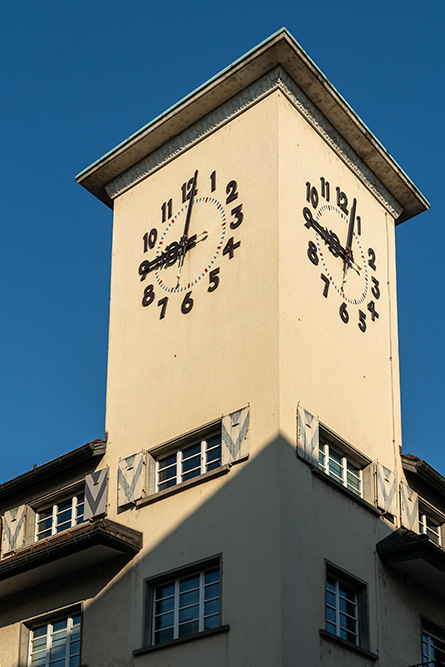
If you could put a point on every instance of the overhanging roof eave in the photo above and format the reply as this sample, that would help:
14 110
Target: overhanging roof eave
279 49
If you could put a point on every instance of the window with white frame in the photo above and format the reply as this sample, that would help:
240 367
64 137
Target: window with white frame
342 609
433 648
339 466
189 461
430 525
346 607
55 643
59 515
185 603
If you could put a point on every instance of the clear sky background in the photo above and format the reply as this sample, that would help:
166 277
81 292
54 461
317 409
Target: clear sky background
77 78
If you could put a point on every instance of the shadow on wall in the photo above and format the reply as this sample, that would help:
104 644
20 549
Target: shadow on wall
246 529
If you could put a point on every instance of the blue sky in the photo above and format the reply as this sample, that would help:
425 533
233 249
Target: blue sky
78 78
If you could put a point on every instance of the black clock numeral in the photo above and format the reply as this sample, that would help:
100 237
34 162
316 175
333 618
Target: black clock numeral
239 215
327 282
149 295
362 321
311 195
213 280
307 214
213 181
167 210
325 189
231 191
358 225
372 310
163 303
186 190
342 201
371 260
144 268
344 313
187 303
150 239
312 253
230 247
375 288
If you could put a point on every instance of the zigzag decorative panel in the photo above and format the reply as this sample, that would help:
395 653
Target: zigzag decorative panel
96 493
13 529
130 479
235 435
308 435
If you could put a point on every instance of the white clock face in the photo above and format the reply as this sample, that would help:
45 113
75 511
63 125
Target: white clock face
208 231
340 246
188 250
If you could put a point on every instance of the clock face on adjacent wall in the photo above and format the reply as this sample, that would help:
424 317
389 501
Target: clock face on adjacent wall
339 245
190 242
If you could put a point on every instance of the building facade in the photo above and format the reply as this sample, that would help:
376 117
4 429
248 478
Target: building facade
249 505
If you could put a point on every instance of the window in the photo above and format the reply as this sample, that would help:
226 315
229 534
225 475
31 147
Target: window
429 525
342 610
433 649
346 607
185 604
189 461
55 644
60 515
338 466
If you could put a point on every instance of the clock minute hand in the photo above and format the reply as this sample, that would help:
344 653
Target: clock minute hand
351 229
349 257
184 237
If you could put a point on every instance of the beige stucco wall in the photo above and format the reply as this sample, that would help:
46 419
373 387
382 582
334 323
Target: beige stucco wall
268 338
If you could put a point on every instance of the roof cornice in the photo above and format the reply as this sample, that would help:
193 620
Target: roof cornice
280 49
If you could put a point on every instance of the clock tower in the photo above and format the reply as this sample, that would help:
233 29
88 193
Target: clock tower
253 407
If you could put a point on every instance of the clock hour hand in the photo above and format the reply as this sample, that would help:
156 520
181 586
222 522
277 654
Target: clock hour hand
328 236
167 257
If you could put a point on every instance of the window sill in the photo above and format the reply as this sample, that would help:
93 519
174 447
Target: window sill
174 642
324 634
353 496
200 479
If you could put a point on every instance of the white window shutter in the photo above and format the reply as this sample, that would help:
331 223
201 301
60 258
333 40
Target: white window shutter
13 529
96 493
307 435
235 436
409 505
151 474
386 488
130 479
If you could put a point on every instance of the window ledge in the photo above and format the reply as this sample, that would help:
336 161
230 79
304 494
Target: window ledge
199 479
324 634
174 642
322 475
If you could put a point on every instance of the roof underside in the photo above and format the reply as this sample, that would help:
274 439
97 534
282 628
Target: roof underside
279 49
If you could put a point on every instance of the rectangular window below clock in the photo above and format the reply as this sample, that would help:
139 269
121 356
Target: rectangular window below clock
339 466
191 460
184 603
346 607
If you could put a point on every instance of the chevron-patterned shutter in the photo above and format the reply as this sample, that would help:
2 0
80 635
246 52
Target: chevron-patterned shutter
386 488
13 529
235 436
409 506
130 479
96 493
307 435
